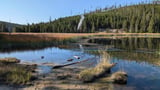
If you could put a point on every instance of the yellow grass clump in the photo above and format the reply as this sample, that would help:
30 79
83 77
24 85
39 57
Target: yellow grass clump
104 66
14 74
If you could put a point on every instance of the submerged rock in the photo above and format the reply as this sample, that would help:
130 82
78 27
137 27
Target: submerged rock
119 77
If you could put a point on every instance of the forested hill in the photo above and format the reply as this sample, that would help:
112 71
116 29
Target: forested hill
135 18
7 26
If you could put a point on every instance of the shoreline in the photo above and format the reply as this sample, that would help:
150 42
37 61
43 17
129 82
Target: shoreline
70 35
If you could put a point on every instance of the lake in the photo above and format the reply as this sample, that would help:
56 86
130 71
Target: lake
139 57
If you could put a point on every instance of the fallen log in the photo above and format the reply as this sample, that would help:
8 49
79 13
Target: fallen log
60 66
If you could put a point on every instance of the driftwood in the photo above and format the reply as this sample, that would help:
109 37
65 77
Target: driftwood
60 66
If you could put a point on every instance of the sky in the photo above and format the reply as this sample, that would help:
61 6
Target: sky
35 11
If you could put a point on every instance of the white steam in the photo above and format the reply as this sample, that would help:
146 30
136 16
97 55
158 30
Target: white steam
80 22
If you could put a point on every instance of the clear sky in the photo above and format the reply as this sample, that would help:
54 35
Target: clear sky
34 11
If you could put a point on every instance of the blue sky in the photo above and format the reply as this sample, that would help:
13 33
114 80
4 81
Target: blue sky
34 11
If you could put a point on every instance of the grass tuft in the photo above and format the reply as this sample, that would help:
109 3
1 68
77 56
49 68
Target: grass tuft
88 75
14 74
118 77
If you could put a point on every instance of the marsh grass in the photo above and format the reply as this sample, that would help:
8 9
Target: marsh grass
119 77
9 60
31 42
14 74
104 66
101 72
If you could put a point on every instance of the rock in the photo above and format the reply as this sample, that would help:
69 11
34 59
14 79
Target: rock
9 60
42 57
70 60
119 77
63 77
88 75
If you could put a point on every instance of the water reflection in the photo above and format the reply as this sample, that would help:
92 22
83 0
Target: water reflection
139 57
141 74
51 55
137 49
13 45
130 43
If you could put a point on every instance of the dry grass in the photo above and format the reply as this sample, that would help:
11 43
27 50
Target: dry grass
117 77
9 60
101 69
14 74
25 38
90 74
40 36
61 36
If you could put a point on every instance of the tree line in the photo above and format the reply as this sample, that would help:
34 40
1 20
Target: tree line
143 18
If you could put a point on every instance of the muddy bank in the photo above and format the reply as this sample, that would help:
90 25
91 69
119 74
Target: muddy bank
61 78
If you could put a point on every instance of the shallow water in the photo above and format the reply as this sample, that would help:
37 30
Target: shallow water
141 75
139 57
50 55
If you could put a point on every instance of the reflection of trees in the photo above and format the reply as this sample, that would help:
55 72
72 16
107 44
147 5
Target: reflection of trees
130 43
152 58
8 46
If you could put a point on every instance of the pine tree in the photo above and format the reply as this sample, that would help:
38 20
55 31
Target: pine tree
137 25
93 28
151 26
131 29
124 25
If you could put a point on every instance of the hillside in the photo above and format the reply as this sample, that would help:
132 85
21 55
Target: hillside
136 18
6 26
